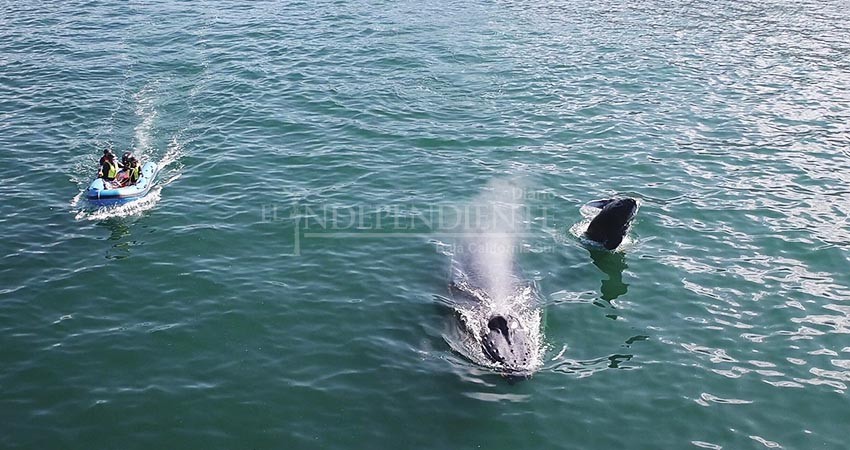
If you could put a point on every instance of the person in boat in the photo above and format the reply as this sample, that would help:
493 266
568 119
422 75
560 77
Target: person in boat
125 159
129 174
108 166
134 169
106 154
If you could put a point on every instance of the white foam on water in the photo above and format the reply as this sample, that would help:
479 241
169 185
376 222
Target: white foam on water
172 153
146 110
76 200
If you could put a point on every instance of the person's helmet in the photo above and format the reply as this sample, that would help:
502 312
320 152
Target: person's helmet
108 153
126 157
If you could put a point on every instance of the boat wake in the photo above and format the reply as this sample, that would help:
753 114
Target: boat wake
146 110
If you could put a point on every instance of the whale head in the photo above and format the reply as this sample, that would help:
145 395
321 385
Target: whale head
610 226
505 342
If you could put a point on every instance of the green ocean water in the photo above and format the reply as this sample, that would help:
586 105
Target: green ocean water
283 285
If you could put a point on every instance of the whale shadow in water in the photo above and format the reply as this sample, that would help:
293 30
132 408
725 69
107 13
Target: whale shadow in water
612 265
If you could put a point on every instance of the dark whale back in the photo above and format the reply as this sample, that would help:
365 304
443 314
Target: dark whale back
610 226
506 343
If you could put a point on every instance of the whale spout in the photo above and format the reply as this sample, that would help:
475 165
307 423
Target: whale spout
610 226
506 342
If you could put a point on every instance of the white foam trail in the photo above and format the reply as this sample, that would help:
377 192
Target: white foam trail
146 110
76 200
172 153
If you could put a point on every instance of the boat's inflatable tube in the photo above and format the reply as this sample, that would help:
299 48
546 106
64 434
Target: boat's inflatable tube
101 193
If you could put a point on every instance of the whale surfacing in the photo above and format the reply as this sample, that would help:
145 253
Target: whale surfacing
498 311
611 224
502 331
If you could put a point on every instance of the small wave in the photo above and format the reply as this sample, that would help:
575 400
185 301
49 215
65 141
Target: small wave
76 200
588 367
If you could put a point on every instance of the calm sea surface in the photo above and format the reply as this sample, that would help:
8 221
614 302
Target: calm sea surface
283 285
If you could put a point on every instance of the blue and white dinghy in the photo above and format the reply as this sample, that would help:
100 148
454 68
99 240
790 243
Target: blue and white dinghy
107 193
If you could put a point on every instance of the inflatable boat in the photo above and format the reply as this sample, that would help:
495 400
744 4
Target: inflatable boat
107 193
